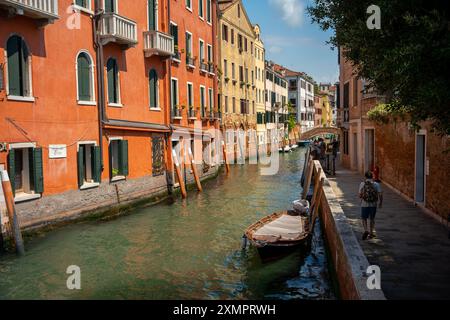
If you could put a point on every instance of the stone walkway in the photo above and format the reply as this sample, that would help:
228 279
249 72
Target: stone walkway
412 249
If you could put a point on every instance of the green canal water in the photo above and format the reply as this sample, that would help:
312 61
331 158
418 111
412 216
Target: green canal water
179 249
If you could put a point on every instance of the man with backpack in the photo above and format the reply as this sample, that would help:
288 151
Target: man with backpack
371 197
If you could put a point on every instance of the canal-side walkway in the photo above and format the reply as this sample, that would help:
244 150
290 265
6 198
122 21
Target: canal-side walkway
412 249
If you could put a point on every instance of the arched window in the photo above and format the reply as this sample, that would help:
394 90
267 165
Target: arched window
153 84
85 77
113 81
18 59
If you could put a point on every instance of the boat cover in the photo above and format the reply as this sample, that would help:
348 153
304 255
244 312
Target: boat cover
285 228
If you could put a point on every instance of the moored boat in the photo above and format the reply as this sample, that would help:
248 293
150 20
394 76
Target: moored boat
279 233
304 143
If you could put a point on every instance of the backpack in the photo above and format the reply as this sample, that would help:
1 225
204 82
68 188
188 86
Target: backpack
369 192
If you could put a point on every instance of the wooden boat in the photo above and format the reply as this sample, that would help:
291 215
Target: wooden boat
304 143
279 234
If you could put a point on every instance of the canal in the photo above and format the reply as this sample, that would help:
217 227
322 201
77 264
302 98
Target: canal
178 249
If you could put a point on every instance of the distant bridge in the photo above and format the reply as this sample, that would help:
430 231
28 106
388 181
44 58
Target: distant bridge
317 131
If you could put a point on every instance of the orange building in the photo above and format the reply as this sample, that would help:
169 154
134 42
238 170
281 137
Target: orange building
85 102
194 108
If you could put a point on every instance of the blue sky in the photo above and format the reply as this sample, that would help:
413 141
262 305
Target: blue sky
292 40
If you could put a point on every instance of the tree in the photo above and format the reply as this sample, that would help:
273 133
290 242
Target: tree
407 59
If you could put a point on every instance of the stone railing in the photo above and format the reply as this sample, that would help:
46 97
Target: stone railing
115 28
47 9
158 43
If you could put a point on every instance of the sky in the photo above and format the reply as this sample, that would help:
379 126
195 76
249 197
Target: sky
292 40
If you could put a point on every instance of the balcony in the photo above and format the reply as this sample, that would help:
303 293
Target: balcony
45 10
211 68
192 114
177 113
158 44
118 29
190 62
203 67
177 55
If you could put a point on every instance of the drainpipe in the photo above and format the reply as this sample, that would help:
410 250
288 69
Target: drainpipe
100 81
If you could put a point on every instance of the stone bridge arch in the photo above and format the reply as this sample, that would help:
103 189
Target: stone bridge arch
319 131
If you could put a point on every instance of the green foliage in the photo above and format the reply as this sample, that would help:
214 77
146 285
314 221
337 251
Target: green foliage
291 122
407 60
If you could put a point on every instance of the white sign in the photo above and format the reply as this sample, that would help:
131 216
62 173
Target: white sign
57 151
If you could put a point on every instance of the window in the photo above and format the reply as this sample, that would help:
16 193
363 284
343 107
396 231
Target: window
225 68
174 91
232 36
85 78
201 14
202 51
189 4
158 158
110 6
355 91
86 4
226 104
113 81
152 15
18 59
189 53
241 73
225 32
154 89
25 171
211 99
208 11
346 95
203 101
118 158
190 94
240 42
346 147
210 53
239 10
174 34
245 44
234 105
89 165
233 71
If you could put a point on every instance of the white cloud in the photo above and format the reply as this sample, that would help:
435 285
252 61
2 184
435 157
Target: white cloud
275 49
292 11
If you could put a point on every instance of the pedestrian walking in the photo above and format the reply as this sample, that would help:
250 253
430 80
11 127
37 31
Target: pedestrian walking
371 196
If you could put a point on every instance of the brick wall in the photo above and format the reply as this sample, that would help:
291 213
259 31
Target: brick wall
395 154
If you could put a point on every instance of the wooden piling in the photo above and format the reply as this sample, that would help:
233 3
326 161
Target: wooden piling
194 171
225 157
13 220
178 172
316 205
309 172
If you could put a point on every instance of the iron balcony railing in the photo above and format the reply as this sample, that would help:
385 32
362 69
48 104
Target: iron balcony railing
115 28
190 61
177 113
192 114
203 66
158 43
39 9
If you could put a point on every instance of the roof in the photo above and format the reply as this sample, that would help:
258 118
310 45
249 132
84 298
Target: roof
290 73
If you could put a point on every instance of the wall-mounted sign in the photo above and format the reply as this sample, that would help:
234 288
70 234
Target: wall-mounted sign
57 151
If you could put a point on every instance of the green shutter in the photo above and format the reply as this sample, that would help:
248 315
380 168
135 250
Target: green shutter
153 83
109 5
175 35
14 74
24 69
80 161
123 157
84 85
37 171
151 15
97 165
112 80
12 169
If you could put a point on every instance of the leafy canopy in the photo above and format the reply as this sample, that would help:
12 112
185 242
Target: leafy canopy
407 60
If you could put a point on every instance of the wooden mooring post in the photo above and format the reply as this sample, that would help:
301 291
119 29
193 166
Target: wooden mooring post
194 171
179 176
225 157
12 216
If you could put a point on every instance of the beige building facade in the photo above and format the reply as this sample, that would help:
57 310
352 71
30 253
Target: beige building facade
237 85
